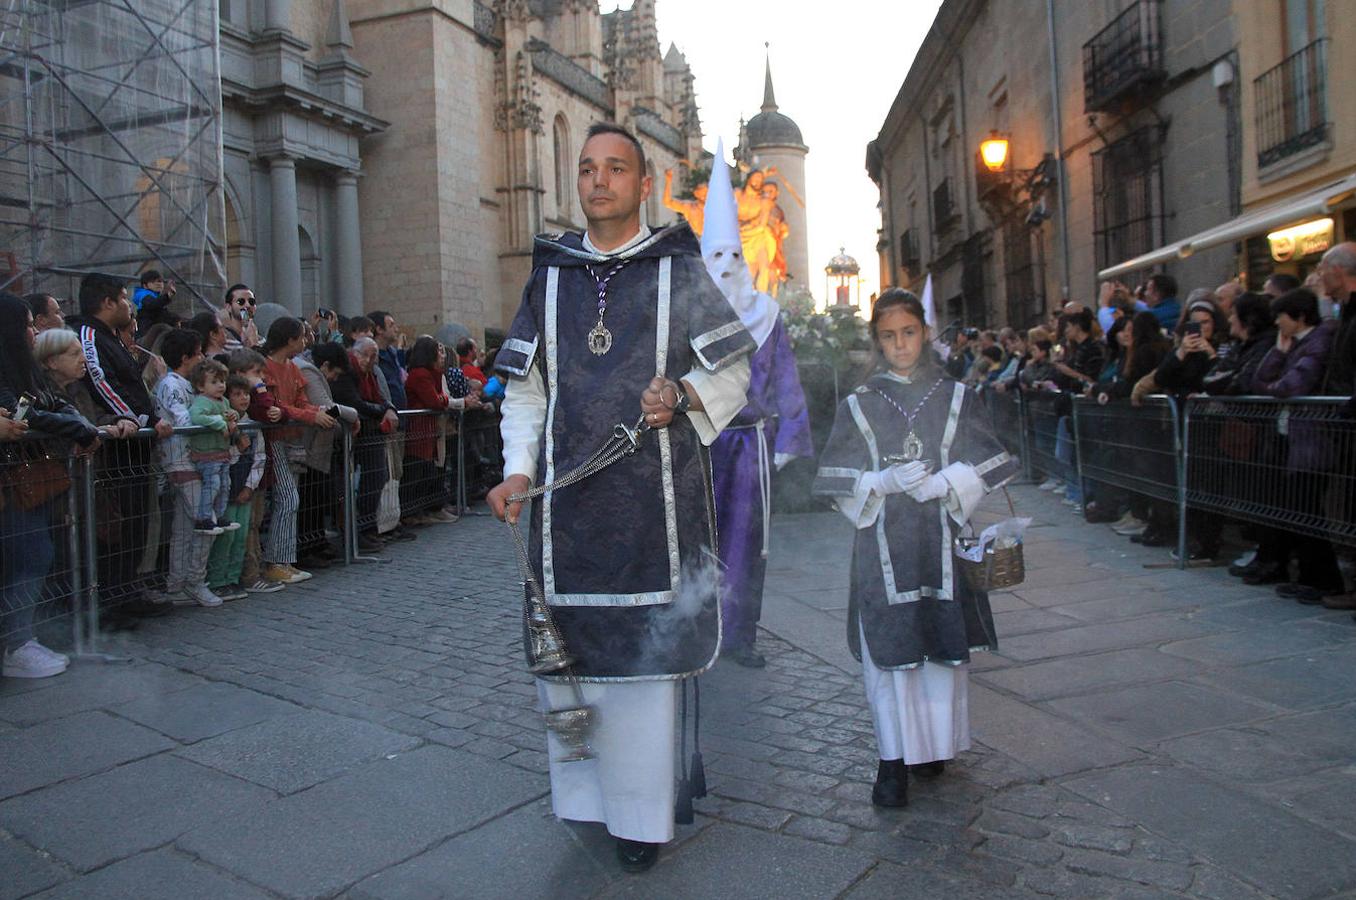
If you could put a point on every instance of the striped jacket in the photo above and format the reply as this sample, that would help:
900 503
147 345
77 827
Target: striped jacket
112 374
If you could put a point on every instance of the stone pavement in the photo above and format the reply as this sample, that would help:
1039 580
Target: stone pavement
372 734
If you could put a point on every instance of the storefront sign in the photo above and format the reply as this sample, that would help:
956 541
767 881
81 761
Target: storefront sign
1301 240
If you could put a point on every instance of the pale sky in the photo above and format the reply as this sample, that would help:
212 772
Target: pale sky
836 67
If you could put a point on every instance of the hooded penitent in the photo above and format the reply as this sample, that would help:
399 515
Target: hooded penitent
724 254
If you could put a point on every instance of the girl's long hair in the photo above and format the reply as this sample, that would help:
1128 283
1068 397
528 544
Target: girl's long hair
18 369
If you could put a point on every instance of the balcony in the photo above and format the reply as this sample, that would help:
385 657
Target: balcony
944 212
1124 61
1291 102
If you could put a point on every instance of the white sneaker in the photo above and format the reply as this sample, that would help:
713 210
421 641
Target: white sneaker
203 596
260 586
1247 558
33 660
1049 484
1124 521
1060 489
1134 526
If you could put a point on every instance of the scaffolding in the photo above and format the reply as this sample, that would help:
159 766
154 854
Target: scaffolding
110 144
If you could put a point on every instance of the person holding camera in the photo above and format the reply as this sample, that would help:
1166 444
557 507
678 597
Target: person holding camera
237 317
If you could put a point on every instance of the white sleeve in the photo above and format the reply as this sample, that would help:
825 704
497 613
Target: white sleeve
723 394
523 423
967 490
866 501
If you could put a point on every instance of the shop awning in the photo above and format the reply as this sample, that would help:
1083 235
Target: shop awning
1317 202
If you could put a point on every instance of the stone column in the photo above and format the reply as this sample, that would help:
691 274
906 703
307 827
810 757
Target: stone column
282 176
277 15
349 244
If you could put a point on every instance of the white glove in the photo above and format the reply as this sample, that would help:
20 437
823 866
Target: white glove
931 487
903 477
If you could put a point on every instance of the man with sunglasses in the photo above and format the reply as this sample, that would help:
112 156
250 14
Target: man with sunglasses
237 317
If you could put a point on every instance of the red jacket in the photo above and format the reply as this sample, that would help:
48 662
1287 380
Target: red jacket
424 390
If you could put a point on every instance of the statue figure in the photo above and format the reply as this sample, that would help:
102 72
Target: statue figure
692 210
756 233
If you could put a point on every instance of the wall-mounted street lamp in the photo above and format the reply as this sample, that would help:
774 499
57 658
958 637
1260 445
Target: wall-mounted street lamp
1003 190
993 152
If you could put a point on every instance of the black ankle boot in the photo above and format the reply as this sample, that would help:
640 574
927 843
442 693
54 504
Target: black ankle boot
929 769
636 856
892 784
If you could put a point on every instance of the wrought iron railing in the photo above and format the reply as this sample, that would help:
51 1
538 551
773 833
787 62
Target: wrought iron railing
1291 105
1125 58
1127 188
569 74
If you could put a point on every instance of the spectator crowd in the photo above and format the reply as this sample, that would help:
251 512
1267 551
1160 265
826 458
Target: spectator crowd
217 452
1292 340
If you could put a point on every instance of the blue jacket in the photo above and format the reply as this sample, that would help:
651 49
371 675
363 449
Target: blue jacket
392 367
1167 313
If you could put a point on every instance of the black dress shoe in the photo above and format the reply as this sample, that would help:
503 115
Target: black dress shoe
636 856
747 657
929 769
891 789
1271 574
1095 513
1152 538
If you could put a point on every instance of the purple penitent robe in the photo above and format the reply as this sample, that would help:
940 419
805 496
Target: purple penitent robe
742 460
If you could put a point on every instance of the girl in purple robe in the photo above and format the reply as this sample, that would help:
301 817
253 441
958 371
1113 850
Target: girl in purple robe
910 457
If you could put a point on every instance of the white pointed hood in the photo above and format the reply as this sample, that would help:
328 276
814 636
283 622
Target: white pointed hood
723 254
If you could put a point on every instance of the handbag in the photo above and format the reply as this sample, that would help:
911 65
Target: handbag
998 568
33 482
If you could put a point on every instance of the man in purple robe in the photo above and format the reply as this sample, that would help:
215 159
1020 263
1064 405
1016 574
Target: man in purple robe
771 430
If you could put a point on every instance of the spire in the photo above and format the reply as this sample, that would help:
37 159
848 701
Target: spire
338 36
769 99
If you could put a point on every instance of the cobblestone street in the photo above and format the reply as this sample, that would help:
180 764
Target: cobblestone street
1143 732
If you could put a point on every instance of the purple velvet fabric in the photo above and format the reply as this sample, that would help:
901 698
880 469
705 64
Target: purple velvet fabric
776 399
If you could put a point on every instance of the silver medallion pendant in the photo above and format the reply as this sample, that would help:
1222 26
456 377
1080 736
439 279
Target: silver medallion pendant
600 340
913 446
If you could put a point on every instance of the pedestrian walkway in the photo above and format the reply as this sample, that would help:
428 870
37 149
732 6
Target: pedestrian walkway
372 734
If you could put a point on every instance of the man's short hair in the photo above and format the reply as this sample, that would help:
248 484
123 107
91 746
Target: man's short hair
1300 304
1284 282
205 371
95 288
332 353
359 323
379 317
1342 257
465 346
1164 283
243 360
237 382
598 128
178 346
1082 318
150 275
38 304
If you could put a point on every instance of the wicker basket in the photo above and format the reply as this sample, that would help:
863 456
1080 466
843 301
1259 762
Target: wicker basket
1001 569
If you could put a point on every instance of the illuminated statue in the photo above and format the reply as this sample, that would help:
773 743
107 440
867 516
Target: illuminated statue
692 210
756 230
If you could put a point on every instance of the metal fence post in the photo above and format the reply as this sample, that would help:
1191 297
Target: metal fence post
80 603
1023 417
1181 417
461 462
90 540
1078 451
350 513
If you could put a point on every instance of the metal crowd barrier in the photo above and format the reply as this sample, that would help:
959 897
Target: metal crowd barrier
1041 414
111 536
1005 415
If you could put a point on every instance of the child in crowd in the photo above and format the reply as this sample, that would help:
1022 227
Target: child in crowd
910 457
226 563
262 408
210 451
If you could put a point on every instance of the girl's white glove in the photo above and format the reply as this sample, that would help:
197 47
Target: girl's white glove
903 477
930 487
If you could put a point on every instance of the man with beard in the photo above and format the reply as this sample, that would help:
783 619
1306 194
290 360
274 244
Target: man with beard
615 322
771 429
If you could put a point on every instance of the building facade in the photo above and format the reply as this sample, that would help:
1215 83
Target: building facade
1125 125
429 206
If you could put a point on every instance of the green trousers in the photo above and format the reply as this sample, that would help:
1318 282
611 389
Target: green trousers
228 550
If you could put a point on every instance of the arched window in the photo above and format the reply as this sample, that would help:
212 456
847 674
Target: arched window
564 166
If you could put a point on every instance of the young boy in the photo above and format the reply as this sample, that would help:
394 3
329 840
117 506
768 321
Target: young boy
210 451
225 565
263 409
187 567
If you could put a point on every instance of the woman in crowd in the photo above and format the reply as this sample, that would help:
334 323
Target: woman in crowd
34 480
913 622
1253 327
358 388
425 443
1294 367
213 335
318 486
286 339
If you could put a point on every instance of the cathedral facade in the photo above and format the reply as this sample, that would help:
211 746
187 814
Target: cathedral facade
402 154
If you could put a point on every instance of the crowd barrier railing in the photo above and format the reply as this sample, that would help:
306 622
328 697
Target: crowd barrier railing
1041 423
91 538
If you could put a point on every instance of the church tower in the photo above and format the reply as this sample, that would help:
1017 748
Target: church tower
773 139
